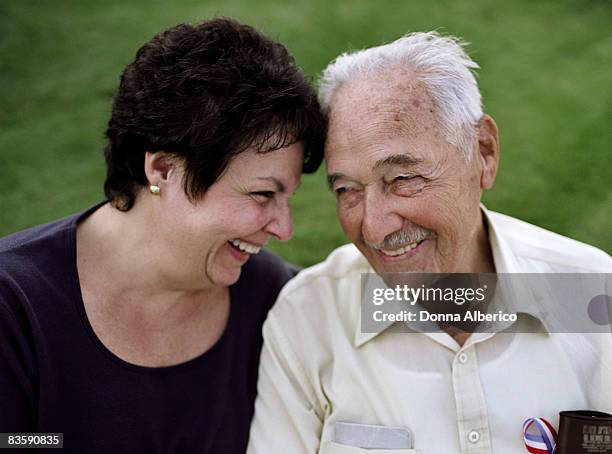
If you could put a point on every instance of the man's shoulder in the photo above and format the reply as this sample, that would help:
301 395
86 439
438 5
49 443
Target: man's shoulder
342 263
326 293
531 243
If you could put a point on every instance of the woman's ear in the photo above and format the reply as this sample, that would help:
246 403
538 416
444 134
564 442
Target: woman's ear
158 167
488 151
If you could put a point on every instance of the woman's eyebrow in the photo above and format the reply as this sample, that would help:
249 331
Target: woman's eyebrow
280 187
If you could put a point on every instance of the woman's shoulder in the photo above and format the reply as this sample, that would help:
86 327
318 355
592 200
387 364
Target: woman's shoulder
24 252
262 278
30 239
29 277
35 262
44 238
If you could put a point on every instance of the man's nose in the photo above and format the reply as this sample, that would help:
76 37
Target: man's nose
379 216
281 225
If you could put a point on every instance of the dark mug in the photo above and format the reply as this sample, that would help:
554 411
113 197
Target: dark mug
584 432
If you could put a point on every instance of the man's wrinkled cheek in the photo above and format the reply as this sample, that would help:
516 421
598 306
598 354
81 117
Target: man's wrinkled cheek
444 208
348 222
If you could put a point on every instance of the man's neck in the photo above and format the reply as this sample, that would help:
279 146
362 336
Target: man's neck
482 260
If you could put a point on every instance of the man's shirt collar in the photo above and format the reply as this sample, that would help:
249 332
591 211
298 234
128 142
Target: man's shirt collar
505 262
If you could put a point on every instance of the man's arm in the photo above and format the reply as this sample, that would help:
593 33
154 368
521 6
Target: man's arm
288 415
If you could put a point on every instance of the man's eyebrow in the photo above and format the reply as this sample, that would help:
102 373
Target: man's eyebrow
331 178
403 160
280 187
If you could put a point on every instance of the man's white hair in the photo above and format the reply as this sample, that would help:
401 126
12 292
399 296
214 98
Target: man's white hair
439 62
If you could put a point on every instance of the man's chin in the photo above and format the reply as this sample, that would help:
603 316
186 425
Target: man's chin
400 268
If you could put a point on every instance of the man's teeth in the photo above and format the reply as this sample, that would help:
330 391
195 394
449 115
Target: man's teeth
245 247
401 250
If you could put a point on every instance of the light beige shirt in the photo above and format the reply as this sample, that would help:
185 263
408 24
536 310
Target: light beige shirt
317 368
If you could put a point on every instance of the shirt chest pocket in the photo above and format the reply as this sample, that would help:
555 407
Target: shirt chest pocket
335 448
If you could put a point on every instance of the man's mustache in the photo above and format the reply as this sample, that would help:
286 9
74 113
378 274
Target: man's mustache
401 238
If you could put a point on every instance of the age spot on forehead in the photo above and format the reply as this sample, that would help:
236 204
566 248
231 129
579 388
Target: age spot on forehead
389 104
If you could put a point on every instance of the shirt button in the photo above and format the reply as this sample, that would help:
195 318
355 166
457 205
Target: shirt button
474 436
463 359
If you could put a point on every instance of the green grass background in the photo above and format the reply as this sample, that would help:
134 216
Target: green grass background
546 78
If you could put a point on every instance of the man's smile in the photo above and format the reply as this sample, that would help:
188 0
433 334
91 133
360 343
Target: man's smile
401 253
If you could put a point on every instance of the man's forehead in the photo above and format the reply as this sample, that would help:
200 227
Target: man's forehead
390 89
385 104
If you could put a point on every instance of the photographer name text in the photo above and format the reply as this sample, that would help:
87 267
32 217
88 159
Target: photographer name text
425 316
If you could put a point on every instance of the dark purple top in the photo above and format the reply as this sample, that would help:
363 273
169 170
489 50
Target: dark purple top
57 376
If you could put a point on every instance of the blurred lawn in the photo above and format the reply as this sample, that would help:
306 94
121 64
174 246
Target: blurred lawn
546 79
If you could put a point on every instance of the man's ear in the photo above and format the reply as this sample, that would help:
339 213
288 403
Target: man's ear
158 167
488 151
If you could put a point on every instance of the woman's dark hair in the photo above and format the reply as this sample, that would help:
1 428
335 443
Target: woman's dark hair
205 93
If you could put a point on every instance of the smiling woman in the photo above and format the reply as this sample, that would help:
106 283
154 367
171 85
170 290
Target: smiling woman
206 241
135 325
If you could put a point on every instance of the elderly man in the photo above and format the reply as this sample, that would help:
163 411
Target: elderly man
409 154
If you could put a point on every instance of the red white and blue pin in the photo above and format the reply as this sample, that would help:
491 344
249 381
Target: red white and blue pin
540 436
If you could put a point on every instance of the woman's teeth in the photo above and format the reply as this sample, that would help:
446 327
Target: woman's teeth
399 251
245 247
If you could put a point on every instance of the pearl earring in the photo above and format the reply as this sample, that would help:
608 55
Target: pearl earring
154 189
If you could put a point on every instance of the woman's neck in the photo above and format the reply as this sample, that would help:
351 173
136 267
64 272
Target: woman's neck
136 312
119 255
